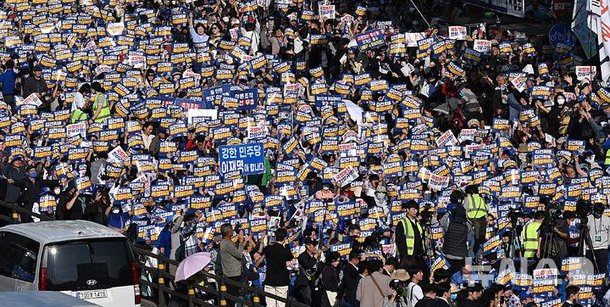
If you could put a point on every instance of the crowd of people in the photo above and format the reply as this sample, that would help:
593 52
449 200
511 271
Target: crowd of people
403 162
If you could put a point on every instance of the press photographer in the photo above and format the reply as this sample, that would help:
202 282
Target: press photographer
554 233
598 225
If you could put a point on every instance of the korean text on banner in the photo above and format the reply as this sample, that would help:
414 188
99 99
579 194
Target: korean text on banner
370 40
247 158
118 156
346 176
327 11
457 32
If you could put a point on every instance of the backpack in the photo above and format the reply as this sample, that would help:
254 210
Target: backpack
181 251
218 264
457 119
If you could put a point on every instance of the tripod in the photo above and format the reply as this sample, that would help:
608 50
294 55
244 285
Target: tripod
585 239
516 244
550 244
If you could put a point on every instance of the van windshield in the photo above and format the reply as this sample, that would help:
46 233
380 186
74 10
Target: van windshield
88 265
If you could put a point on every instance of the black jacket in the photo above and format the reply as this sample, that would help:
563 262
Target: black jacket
401 242
30 190
455 240
308 266
277 272
33 85
349 283
330 278
429 302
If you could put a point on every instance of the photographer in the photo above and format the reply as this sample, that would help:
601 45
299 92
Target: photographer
555 228
599 231
399 284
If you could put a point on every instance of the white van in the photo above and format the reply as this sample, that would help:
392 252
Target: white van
80 258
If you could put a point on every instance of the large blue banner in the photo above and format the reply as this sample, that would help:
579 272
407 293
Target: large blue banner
247 158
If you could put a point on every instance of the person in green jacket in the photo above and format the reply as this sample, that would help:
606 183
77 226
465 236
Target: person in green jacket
262 180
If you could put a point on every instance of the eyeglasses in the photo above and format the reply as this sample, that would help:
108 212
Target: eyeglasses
214 28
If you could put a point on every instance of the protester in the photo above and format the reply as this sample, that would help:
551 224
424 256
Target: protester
309 261
374 289
455 247
231 257
8 81
329 281
350 281
277 254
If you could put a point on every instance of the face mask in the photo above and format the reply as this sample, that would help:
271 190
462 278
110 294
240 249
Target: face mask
561 101
115 211
33 175
454 296
57 191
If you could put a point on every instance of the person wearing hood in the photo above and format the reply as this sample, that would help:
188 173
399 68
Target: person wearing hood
454 246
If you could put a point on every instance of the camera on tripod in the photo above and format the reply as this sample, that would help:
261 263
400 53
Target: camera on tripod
398 285
553 213
583 209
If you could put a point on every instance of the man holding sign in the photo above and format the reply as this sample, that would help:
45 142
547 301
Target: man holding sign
35 84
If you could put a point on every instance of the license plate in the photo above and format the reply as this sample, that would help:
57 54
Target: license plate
88 295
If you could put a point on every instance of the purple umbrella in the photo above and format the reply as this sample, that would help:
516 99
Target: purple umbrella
191 265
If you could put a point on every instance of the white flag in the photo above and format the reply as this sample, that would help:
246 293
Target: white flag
601 26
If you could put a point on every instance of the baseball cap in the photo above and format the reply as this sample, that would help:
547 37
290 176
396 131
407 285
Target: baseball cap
525 294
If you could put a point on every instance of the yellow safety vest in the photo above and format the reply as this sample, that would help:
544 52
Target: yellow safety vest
607 160
105 112
78 116
410 234
477 208
530 240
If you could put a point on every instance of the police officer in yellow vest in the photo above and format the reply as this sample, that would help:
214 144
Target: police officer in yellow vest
531 238
607 159
101 108
410 235
476 211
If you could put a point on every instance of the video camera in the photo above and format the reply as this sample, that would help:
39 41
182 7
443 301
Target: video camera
398 285
583 209
553 213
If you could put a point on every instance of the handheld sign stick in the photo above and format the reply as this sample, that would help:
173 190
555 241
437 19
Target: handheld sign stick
420 14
